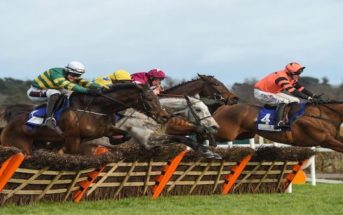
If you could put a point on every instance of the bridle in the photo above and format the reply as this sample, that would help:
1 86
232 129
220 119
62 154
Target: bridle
192 111
217 96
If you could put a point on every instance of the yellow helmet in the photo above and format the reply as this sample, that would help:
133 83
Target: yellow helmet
121 75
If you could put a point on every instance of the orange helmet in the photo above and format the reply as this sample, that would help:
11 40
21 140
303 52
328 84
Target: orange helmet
294 68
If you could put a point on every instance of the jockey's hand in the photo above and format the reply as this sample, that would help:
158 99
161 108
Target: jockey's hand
94 92
314 100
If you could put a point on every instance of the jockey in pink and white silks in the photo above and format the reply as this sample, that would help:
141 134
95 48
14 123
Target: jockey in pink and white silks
153 78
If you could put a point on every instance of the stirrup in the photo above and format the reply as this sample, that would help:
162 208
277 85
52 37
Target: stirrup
50 122
280 124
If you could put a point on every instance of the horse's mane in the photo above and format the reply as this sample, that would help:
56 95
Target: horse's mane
180 84
325 102
187 82
333 102
119 86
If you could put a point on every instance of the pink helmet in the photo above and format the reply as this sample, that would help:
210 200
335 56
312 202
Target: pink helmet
156 73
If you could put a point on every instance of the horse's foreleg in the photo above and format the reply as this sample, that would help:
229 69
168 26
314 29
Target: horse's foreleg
12 137
205 151
340 138
72 145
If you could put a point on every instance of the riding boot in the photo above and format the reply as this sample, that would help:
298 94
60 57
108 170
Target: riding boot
279 115
50 121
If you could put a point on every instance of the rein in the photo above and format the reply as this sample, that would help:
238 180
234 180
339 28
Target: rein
141 98
216 96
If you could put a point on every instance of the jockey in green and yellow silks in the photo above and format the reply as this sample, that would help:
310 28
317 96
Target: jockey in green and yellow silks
53 82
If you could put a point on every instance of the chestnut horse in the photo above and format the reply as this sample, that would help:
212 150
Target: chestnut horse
89 117
318 126
210 90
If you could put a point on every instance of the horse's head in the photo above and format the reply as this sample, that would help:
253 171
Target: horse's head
150 105
194 110
216 90
199 114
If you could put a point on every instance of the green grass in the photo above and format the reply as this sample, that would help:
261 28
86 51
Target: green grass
305 199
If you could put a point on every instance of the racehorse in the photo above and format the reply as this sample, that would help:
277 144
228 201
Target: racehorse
213 92
148 133
89 117
318 126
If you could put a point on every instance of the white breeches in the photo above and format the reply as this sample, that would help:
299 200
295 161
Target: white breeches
274 98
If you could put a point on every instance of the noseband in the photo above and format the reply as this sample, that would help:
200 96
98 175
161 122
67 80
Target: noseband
216 95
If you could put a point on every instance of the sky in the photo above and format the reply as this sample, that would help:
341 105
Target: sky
234 40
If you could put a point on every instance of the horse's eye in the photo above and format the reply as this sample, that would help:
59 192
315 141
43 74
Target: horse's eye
197 109
218 97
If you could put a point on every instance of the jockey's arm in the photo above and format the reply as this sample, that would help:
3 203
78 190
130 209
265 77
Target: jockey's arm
303 90
65 84
89 84
300 94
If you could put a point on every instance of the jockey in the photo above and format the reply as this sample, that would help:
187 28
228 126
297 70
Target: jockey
117 76
153 78
50 84
269 90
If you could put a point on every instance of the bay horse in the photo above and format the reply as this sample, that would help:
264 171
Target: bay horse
210 90
318 126
89 117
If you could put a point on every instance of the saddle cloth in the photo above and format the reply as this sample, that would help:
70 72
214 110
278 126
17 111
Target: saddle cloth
38 115
267 116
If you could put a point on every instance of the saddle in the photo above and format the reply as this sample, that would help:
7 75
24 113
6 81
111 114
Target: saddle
266 118
38 115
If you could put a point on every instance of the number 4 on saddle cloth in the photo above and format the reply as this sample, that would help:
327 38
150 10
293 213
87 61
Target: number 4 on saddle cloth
267 115
38 115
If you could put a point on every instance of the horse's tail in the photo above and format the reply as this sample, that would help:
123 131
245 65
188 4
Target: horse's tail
9 112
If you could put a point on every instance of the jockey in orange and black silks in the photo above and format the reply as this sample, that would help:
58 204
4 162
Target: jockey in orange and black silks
269 90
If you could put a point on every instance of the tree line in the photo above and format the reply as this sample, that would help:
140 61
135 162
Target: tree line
13 91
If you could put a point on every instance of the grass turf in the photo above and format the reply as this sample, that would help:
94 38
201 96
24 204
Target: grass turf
305 199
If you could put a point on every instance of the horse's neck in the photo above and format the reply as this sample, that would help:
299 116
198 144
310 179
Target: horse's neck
109 103
334 107
190 88
174 104
132 118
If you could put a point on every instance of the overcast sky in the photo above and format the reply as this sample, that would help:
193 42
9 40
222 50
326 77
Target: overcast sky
233 40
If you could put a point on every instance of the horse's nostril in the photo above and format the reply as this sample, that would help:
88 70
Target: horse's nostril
164 119
214 127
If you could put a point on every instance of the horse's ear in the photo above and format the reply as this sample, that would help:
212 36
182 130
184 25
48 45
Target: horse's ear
201 76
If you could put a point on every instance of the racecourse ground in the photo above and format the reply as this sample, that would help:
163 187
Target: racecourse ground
305 199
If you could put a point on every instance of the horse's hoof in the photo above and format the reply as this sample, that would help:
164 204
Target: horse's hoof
217 156
208 154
